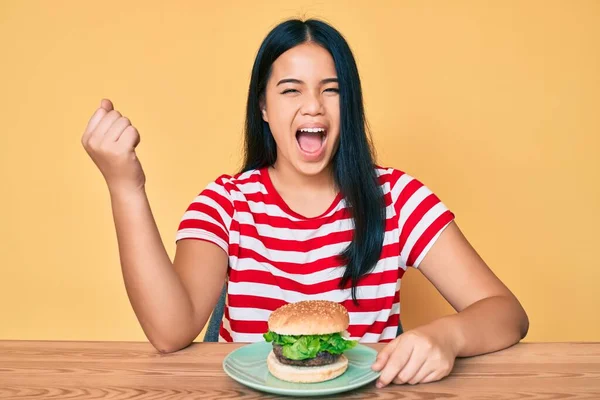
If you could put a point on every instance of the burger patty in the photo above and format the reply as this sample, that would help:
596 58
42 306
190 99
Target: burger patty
322 358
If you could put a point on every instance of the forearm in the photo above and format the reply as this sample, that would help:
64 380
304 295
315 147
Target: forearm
155 291
488 325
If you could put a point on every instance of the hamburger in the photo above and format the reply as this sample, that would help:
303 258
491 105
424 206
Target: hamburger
308 341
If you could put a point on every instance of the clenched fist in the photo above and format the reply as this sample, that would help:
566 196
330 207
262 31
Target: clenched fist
110 140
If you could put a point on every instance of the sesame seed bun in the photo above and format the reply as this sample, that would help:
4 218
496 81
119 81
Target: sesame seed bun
291 373
311 317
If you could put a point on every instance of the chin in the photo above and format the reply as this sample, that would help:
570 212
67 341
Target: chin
310 169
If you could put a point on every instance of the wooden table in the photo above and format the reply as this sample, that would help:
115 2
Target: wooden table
126 370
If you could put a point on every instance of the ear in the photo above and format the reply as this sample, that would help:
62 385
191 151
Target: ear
263 109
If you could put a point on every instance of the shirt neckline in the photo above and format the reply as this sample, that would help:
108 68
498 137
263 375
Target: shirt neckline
264 172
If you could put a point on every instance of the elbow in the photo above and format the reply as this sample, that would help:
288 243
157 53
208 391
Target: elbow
166 340
524 323
168 347
521 318
516 319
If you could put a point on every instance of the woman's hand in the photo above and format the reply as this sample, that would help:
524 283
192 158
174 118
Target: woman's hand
424 354
110 140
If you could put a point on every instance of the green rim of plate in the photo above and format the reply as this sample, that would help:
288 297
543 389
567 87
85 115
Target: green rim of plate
248 366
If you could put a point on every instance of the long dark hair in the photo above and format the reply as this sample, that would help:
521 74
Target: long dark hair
353 163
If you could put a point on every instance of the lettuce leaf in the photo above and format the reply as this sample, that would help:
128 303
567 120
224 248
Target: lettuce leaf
302 347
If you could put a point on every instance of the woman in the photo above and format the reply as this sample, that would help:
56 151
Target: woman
309 216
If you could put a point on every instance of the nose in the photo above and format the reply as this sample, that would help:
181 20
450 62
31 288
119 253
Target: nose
313 104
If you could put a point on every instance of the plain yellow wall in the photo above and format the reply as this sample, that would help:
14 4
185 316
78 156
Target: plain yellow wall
494 105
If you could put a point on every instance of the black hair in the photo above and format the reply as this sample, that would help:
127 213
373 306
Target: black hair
353 162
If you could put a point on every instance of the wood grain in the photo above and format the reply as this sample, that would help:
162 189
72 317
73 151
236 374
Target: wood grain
124 370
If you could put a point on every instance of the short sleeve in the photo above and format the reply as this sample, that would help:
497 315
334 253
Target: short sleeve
209 216
422 217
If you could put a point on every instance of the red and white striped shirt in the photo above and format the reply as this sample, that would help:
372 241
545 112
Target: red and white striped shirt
277 256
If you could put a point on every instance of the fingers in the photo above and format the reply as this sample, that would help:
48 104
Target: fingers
410 368
417 377
92 124
432 377
384 355
98 133
116 129
418 356
107 105
130 137
108 125
395 363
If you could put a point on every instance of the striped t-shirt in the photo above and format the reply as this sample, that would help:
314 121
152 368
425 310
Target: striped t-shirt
277 256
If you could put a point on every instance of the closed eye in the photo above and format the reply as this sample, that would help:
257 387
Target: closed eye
335 90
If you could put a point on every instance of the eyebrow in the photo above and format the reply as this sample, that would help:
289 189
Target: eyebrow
292 80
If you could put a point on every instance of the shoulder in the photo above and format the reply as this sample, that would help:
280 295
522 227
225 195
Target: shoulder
387 174
227 184
403 187
393 179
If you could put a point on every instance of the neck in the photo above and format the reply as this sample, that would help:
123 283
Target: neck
285 175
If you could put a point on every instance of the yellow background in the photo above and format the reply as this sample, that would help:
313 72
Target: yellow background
494 105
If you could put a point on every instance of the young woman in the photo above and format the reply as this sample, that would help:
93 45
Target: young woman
309 216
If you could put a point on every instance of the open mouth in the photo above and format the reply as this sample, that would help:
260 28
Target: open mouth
311 140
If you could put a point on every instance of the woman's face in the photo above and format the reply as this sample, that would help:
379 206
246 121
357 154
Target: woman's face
303 93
